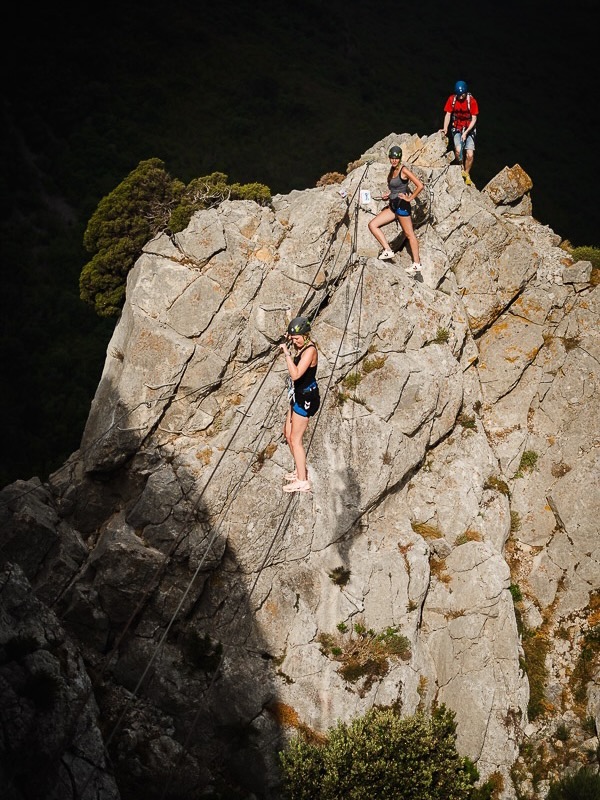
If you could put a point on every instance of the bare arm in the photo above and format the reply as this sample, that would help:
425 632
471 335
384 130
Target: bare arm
306 360
447 116
418 184
472 123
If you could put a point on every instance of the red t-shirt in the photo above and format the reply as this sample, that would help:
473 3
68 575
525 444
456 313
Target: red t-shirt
461 116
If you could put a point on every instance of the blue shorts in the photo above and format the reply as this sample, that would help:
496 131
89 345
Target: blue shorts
400 207
458 142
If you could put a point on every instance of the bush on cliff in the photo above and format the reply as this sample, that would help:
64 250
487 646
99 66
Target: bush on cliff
379 756
583 785
146 203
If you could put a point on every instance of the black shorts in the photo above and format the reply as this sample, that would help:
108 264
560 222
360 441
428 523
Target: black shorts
308 403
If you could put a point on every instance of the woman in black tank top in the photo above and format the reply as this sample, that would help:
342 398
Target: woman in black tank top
304 399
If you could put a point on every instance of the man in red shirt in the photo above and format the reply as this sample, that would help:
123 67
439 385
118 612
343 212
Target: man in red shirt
461 111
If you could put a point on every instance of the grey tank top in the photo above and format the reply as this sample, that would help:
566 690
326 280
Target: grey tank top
397 186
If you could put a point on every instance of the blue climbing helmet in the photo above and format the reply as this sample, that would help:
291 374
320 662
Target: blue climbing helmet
460 87
299 326
395 152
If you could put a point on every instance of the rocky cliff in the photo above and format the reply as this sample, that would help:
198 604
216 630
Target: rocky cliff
188 616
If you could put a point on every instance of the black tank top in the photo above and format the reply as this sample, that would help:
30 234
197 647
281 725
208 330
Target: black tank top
309 376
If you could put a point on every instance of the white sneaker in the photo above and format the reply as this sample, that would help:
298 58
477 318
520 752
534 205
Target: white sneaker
298 486
386 255
414 269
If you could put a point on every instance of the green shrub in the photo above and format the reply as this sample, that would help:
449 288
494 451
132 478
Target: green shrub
146 203
380 756
587 254
364 655
257 192
583 785
123 222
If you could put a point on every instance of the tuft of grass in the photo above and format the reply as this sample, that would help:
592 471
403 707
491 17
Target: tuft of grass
370 364
442 336
330 178
352 380
515 521
425 530
517 594
340 398
340 576
364 655
437 567
562 732
585 667
528 461
589 726
468 536
536 647
497 484
467 421
570 342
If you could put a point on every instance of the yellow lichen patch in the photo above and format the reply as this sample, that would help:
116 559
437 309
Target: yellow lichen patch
287 717
264 255
204 455
500 327
284 714
272 608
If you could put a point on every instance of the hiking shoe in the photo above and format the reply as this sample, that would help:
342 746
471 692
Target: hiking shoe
414 269
468 180
386 255
298 486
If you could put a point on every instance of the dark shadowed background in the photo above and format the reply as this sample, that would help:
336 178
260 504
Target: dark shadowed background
274 93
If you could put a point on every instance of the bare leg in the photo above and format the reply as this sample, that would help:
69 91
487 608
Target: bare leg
383 218
298 426
409 232
287 429
469 160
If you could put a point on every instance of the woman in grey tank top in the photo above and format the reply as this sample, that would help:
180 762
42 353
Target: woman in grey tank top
399 198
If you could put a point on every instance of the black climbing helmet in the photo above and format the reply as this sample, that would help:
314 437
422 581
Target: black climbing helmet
395 152
299 326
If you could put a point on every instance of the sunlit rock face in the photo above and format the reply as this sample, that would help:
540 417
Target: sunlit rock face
455 457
